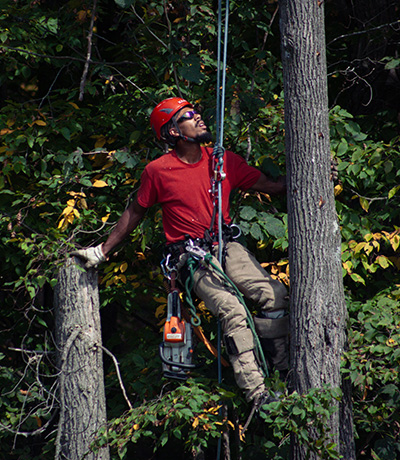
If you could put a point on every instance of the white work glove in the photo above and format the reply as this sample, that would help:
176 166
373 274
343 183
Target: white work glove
92 256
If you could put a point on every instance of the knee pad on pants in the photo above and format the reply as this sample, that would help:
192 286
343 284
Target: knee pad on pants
237 343
272 328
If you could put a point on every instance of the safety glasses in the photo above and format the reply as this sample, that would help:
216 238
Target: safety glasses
187 115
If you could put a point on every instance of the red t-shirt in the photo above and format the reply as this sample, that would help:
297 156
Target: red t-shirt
184 191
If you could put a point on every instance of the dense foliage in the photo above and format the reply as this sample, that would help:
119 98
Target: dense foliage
72 148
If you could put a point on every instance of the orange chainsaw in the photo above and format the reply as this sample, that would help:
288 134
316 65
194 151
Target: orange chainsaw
176 350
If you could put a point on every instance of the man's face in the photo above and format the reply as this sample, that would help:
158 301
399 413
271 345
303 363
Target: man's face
191 125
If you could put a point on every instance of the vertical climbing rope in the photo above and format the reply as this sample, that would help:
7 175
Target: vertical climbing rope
219 153
218 148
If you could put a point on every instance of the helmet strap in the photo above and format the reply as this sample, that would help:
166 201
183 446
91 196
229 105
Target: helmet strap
181 136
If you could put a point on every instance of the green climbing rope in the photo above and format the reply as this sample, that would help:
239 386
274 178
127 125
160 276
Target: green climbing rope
192 264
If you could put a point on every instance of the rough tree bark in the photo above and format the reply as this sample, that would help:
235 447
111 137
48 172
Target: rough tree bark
318 310
80 363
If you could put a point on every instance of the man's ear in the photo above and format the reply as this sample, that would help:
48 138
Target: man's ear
173 132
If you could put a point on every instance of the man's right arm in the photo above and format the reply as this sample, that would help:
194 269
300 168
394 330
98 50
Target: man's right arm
127 223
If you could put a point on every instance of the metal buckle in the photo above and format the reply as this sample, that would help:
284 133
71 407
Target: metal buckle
166 269
195 251
238 229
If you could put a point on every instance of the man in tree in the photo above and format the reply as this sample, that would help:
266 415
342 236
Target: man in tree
180 181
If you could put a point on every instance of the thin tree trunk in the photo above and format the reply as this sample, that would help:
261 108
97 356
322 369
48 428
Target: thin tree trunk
80 363
318 311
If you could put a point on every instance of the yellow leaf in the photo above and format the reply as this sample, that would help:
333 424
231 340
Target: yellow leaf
391 342
123 267
160 311
100 142
347 266
214 410
6 131
160 299
338 189
83 203
99 183
357 278
136 426
382 261
39 122
67 210
359 247
368 248
74 105
105 218
364 203
195 422
79 194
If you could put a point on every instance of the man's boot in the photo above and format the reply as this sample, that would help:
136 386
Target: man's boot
273 334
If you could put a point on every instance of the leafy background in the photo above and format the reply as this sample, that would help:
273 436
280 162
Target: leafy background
72 150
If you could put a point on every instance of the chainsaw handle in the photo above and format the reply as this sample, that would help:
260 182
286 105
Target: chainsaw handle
172 363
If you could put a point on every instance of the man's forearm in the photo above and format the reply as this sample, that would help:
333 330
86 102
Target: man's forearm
129 220
266 185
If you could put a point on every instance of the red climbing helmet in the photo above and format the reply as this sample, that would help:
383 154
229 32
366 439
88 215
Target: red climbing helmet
164 111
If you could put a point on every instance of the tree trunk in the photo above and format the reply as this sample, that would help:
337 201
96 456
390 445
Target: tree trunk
80 363
318 310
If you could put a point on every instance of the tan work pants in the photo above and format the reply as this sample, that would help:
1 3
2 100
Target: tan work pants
256 285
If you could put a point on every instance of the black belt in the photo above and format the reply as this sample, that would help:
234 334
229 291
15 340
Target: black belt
175 250
179 248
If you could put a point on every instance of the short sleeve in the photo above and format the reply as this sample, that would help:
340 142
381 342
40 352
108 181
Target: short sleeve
243 175
147 193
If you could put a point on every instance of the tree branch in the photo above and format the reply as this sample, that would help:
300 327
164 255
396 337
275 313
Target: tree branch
65 58
89 52
121 384
361 32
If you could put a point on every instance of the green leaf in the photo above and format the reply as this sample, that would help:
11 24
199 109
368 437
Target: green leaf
392 64
342 148
255 231
343 165
248 213
364 203
66 133
272 225
124 3
357 278
393 191
164 439
126 158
